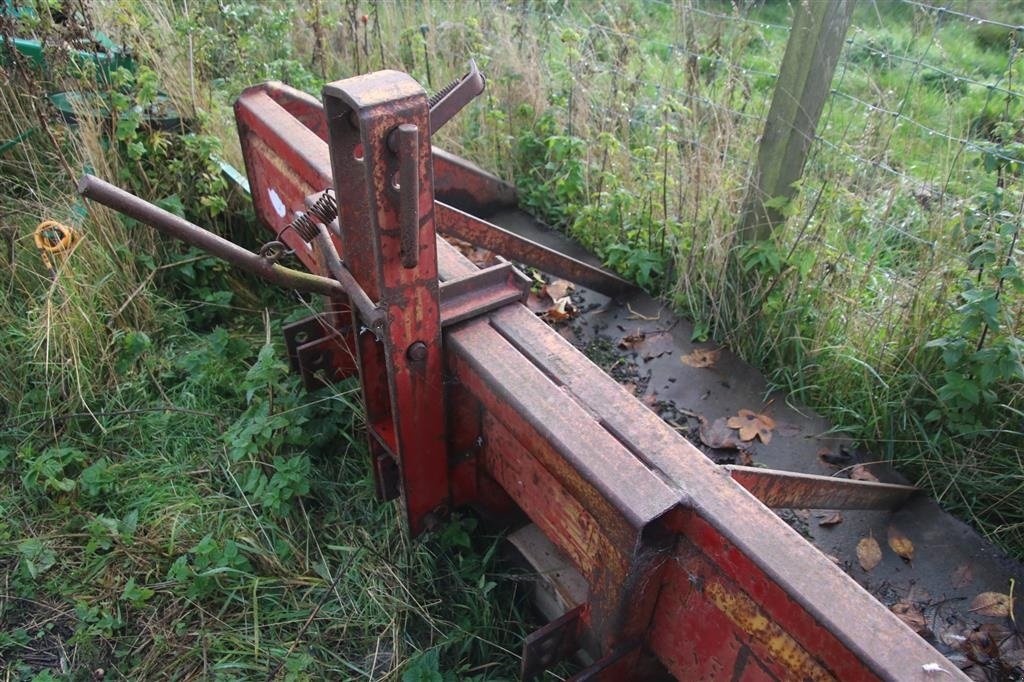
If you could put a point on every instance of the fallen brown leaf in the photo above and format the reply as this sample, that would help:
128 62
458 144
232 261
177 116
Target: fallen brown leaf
859 472
833 519
752 425
869 554
962 576
562 310
717 434
901 544
631 341
558 289
980 646
701 358
911 615
746 458
536 304
995 604
481 257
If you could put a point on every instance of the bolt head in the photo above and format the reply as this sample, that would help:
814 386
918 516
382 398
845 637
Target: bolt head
417 352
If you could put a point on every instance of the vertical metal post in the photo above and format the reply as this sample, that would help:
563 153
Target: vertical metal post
401 372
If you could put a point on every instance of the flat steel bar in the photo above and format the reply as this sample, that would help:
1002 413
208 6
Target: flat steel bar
791 490
453 222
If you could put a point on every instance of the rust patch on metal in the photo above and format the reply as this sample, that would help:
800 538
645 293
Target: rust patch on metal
743 612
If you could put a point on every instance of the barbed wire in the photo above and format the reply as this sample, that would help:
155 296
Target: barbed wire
970 17
832 154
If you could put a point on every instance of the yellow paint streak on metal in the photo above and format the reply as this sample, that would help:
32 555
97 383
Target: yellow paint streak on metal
745 614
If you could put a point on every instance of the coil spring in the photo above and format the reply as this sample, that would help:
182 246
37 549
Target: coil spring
325 209
440 94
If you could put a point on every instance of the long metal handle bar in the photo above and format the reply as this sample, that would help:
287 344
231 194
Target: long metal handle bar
127 203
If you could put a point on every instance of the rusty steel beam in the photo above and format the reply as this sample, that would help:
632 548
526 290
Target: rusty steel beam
457 181
401 374
791 490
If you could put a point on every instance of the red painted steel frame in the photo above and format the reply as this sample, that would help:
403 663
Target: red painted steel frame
686 569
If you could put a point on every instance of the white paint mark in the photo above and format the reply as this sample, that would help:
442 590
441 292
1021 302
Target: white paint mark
276 202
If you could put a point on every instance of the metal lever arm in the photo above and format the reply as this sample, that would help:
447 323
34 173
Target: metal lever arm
450 99
127 203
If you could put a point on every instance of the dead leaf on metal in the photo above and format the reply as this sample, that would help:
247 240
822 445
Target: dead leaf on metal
558 289
717 434
833 519
631 341
982 645
562 310
746 458
911 615
480 256
752 425
900 543
962 576
995 604
869 554
859 472
657 344
702 358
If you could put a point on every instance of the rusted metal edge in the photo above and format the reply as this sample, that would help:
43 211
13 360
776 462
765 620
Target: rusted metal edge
791 490
451 221
457 181
550 644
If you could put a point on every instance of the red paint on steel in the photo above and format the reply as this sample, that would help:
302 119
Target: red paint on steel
405 385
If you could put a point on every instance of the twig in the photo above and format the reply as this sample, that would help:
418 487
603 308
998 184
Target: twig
634 315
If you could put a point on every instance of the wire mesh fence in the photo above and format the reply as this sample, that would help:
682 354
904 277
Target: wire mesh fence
636 126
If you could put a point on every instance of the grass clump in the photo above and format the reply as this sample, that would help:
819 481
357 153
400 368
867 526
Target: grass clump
173 505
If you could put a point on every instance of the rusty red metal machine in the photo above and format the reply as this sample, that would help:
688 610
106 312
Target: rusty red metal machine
669 566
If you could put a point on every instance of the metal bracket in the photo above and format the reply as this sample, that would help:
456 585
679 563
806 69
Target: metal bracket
320 355
550 644
466 297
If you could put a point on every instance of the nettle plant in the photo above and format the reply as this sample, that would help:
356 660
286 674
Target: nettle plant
982 357
160 158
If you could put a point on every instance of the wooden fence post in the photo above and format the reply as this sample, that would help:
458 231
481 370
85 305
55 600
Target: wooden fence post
805 79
